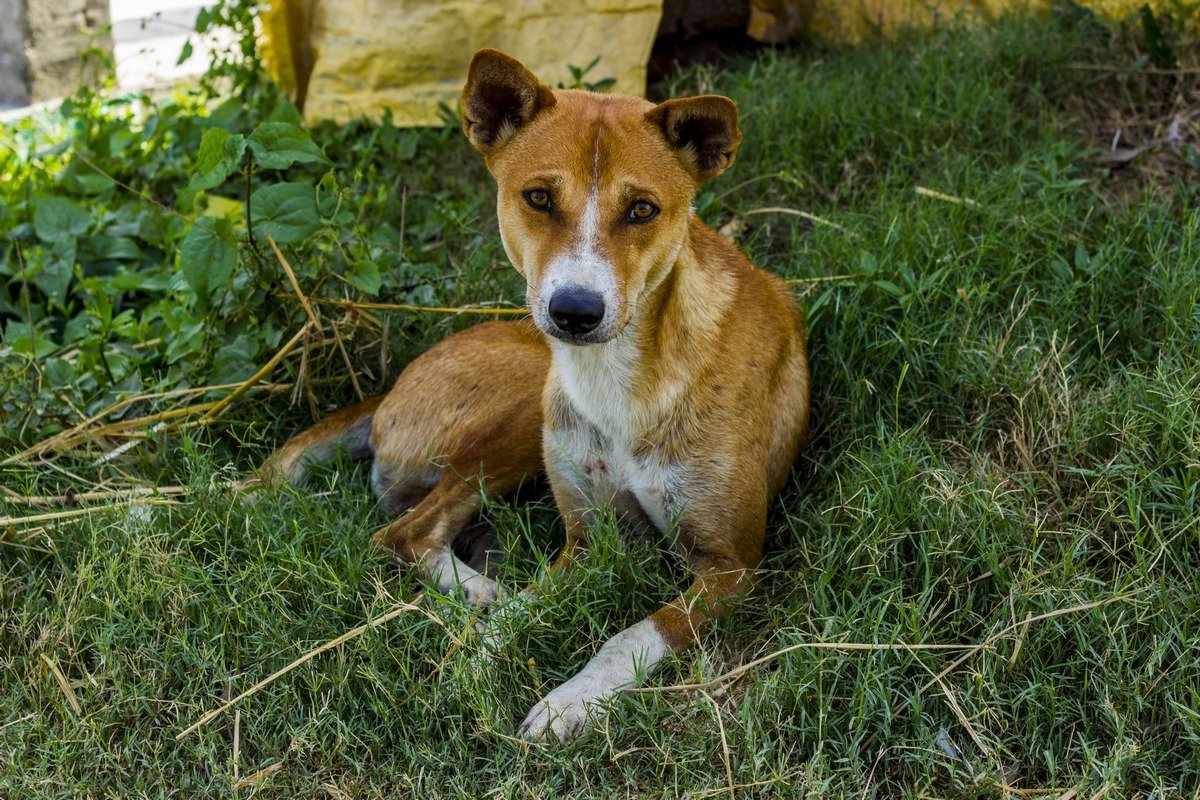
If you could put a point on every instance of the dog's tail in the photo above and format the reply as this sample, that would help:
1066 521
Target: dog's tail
348 428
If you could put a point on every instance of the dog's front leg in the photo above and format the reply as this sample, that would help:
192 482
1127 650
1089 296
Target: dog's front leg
723 548
635 652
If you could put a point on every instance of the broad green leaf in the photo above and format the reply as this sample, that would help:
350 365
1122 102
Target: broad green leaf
333 207
101 307
286 211
55 269
217 206
81 178
406 147
868 263
235 361
890 287
79 327
208 255
128 281
58 370
284 111
278 145
1082 260
108 248
365 277
226 115
220 154
187 337
26 341
56 219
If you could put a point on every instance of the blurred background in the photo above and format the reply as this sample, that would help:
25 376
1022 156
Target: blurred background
341 59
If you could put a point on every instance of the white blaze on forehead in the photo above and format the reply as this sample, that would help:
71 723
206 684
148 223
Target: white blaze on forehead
584 264
589 227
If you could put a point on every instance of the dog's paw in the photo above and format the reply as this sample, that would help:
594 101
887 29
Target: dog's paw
481 591
574 707
451 576
569 710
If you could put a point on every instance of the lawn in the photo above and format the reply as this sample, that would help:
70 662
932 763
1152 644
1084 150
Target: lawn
983 580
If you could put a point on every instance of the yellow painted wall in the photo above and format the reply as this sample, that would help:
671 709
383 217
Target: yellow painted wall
411 55
351 58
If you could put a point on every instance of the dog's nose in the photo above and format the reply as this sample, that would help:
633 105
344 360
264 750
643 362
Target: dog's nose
576 310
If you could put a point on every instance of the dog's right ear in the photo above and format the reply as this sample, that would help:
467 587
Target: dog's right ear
500 97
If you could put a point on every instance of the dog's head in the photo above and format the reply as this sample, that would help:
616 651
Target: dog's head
595 191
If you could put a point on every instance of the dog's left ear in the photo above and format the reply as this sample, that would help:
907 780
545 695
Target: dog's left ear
500 97
702 130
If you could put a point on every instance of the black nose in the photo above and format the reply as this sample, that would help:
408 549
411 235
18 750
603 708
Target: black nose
576 310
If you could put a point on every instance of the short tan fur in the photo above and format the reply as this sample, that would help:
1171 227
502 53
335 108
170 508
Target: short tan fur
662 373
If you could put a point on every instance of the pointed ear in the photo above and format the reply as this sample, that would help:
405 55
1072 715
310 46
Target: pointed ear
703 130
500 96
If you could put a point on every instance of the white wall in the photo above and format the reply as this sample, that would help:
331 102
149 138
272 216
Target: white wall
148 36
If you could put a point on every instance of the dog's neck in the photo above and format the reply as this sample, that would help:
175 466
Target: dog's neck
625 385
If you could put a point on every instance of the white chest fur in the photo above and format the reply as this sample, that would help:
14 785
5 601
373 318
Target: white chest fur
597 381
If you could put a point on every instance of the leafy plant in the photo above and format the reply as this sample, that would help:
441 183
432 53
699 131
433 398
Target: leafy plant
134 237
579 78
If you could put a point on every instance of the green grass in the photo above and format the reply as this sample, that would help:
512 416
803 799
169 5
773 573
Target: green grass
1006 401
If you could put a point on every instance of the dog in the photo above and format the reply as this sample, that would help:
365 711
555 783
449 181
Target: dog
660 373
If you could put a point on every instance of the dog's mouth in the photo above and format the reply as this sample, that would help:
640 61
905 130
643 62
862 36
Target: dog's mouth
575 339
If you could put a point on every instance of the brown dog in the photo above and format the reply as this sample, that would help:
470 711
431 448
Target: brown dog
672 373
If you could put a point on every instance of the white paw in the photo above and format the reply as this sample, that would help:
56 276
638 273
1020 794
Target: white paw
444 569
569 710
480 591
574 707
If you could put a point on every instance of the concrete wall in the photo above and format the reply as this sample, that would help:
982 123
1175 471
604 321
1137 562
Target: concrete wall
40 43
14 75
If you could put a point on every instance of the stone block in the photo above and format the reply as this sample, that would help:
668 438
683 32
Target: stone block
41 43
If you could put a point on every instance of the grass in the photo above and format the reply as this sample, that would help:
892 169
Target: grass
1006 427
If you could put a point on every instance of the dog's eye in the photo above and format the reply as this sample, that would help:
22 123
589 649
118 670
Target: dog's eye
539 199
642 211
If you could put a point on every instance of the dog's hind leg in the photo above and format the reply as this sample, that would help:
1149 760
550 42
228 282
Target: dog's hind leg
348 428
424 535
